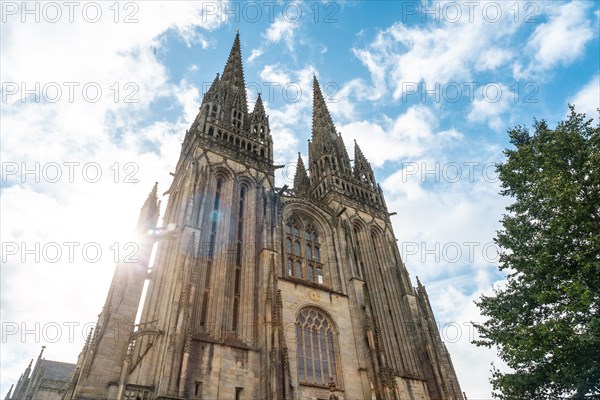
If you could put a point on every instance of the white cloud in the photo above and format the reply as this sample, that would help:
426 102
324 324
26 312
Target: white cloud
494 58
290 120
559 41
494 101
118 58
410 135
255 54
587 100
435 53
455 312
282 29
448 208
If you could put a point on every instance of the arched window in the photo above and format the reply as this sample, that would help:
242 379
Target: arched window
236 118
358 256
316 340
211 249
303 247
298 269
238 259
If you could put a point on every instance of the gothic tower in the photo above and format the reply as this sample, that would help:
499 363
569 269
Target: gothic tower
258 292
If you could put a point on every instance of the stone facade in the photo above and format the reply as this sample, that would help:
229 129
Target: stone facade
260 292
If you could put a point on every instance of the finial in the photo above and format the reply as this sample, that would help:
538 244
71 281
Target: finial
237 31
419 282
41 352
9 392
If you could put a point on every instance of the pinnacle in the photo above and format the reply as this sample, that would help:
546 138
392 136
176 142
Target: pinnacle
152 204
301 181
153 196
419 285
213 86
259 108
361 164
322 124
359 156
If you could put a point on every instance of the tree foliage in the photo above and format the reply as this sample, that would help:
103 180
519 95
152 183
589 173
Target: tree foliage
546 321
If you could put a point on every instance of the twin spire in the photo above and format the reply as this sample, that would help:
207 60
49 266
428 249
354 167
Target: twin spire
327 154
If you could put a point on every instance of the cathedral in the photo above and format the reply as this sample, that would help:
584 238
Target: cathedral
257 291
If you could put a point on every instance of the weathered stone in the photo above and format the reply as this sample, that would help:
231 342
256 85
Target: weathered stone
260 292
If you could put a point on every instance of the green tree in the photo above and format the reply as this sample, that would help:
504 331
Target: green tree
545 321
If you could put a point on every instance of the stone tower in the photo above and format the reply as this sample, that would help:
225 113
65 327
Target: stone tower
258 292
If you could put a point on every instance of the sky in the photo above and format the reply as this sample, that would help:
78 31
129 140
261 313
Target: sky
97 96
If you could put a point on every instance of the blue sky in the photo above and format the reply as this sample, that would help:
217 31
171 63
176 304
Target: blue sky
485 69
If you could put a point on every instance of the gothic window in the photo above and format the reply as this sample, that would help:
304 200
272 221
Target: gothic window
358 256
214 111
236 119
315 351
376 247
238 262
298 269
319 275
214 217
302 244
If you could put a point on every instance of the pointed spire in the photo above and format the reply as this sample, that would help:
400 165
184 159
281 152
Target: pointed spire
213 86
259 115
419 285
41 352
421 290
259 109
358 154
9 392
323 129
233 73
301 181
362 168
150 209
152 199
